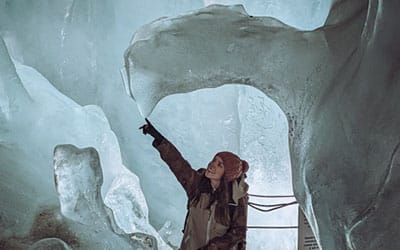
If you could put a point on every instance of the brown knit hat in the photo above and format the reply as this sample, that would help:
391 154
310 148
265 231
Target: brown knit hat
234 166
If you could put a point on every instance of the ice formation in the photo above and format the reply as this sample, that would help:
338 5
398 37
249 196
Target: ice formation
78 46
129 205
78 178
35 117
338 86
50 243
342 114
305 15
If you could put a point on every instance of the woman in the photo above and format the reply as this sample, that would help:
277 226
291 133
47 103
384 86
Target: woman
217 197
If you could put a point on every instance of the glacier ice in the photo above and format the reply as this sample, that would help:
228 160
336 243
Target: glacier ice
203 45
306 15
128 203
78 47
35 117
49 244
50 227
338 86
78 178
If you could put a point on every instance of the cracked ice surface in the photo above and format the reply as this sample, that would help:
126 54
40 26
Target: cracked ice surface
338 86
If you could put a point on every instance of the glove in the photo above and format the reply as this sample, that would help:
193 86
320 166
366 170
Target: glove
149 129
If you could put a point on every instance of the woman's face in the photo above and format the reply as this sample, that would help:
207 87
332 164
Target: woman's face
215 169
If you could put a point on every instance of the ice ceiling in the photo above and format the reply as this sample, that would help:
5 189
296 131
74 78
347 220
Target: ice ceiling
338 86
103 186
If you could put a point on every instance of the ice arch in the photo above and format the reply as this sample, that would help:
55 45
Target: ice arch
338 85
236 118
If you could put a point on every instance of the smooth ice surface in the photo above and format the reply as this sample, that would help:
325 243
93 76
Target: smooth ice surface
35 117
50 227
126 199
338 87
50 244
219 45
302 14
78 178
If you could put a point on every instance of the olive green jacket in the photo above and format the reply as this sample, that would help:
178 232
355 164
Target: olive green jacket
201 227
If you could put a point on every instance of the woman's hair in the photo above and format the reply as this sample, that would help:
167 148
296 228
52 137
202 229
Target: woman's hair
222 195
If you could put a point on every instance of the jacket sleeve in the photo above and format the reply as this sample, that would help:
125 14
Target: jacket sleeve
182 170
236 233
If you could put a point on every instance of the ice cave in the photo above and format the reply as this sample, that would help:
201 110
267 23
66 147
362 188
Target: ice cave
308 92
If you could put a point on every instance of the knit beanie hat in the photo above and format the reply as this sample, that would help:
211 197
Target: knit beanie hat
233 165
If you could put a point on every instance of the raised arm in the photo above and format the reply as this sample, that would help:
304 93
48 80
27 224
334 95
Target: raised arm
185 174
